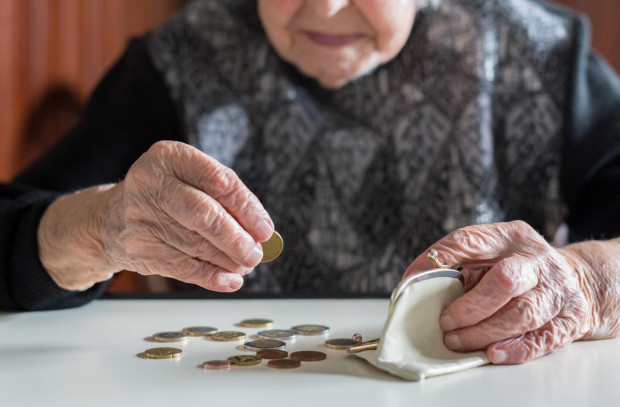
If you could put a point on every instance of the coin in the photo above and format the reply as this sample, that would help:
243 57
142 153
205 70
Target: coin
308 356
281 334
163 353
199 330
284 364
311 329
340 343
216 365
261 344
170 336
256 323
272 247
272 354
227 336
244 360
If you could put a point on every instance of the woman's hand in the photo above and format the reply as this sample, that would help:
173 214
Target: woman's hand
178 213
524 298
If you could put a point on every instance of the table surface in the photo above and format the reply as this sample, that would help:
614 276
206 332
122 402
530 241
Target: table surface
89 357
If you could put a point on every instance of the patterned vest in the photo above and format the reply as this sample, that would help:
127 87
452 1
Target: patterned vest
463 127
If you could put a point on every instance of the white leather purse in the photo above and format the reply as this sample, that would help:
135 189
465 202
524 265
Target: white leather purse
411 344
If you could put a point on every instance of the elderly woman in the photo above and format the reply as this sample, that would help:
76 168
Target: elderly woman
365 130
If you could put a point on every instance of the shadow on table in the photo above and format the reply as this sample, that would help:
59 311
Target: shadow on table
351 366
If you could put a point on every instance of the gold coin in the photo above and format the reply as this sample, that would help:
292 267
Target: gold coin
257 323
245 360
227 336
340 343
163 353
272 247
308 356
170 336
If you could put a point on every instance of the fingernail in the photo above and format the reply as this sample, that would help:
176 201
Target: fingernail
453 342
235 282
256 256
264 230
498 356
447 323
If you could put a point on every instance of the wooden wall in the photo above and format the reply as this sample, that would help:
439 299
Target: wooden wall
604 16
52 53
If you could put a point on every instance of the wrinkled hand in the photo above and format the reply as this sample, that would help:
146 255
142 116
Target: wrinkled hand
181 214
524 298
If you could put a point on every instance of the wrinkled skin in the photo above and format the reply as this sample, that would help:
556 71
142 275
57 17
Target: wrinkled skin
523 297
178 213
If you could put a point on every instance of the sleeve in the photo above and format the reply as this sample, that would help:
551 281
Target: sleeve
591 160
128 112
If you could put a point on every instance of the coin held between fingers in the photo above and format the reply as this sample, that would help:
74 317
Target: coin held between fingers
272 247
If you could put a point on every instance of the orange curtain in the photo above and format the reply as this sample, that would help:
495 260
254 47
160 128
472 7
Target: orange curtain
52 54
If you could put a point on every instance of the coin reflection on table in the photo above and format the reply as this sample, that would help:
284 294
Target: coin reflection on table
284 364
227 336
170 336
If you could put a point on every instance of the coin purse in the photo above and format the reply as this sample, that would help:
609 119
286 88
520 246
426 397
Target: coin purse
411 344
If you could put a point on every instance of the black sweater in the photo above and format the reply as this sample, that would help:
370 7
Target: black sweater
131 109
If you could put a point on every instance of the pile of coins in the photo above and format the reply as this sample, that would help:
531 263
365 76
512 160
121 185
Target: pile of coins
271 345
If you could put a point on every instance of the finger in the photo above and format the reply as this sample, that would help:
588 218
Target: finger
555 334
525 313
197 211
197 169
510 278
175 264
479 246
194 245
473 276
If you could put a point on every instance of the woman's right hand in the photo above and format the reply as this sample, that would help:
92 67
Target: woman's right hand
179 213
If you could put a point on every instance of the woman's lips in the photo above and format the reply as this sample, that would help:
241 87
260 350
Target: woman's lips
332 40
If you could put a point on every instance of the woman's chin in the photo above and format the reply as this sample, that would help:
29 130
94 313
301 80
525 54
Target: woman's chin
332 82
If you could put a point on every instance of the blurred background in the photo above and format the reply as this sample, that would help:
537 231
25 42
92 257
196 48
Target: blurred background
54 52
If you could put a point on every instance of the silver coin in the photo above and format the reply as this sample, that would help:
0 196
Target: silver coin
311 329
199 330
281 334
261 344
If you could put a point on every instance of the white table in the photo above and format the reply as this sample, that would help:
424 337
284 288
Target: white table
88 357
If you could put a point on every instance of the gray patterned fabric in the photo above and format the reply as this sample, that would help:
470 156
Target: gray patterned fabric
463 127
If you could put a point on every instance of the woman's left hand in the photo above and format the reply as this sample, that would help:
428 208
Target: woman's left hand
524 298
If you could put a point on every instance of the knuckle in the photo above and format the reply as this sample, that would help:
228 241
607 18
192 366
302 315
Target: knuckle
240 247
522 231
211 219
220 177
200 248
188 270
470 239
525 313
213 279
161 148
530 352
507 280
